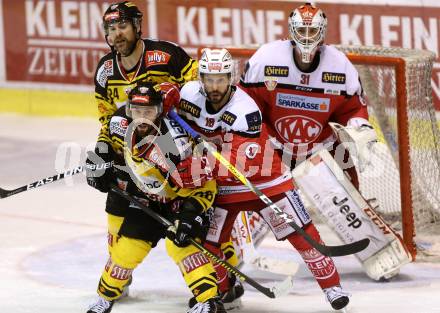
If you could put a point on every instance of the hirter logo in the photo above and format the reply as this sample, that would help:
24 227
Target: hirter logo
156 57
298 129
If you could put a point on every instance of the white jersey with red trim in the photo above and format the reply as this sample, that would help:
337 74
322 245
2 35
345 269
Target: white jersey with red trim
296 105
240 136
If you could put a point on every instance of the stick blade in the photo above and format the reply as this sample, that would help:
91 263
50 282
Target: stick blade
346 249
282 287
3 193
7 193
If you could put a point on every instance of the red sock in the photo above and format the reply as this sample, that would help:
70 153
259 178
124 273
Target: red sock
221 272
322 267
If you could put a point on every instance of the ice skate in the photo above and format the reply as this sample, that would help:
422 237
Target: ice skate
230 299
213 305
101 306
337 297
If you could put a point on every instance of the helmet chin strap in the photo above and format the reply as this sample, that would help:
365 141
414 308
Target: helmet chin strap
111 47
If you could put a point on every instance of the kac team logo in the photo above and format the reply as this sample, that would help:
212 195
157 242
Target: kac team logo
298 129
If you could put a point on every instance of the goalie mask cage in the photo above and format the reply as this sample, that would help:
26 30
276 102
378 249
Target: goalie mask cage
405 173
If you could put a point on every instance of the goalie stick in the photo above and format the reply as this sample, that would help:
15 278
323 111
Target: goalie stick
275 291
341 250
39 183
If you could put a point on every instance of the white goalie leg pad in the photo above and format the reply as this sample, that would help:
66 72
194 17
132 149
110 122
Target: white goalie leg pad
347 213
386 263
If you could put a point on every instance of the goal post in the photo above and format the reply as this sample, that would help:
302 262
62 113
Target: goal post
397 83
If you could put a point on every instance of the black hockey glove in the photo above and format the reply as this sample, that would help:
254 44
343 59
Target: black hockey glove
187 224
99 167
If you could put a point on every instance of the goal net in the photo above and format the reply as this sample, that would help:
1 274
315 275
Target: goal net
403 180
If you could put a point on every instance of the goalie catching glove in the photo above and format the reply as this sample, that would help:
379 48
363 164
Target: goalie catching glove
188 224
99 167
358 137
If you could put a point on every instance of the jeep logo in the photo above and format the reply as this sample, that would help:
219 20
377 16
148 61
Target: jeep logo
351 217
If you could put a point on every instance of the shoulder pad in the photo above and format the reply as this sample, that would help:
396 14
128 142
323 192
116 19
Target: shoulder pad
344 68
104 71
118 126
242 113
190 89
191 99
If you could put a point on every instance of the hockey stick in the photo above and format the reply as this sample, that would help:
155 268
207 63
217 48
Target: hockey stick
340 250
272 292
39 183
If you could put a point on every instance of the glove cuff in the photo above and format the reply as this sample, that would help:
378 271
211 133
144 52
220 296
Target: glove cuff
191 208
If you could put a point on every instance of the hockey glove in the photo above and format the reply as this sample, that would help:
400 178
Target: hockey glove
170 96
99 167
192 172
359 140
188 223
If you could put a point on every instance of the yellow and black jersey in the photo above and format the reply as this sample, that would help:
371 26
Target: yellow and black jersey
152 166
151 163
161 61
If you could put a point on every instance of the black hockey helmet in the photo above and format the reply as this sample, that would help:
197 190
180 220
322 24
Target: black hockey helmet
122 11
145 94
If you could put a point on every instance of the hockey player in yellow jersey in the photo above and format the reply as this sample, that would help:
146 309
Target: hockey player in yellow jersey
152 146
131 60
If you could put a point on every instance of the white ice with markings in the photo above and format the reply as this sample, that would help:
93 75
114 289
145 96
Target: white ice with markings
53 244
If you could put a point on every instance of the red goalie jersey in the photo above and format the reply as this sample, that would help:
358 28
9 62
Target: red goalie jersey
296 105
238 133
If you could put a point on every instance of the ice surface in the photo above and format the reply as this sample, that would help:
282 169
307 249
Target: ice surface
53 244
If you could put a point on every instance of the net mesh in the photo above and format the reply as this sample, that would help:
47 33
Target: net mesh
381 182
380 83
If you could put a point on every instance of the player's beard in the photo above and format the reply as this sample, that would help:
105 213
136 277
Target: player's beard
125 46
142 130
216 96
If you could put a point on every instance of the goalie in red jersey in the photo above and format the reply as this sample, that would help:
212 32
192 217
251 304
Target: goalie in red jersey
310 95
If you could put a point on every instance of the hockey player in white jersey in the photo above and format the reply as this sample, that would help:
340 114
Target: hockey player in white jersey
232 121
303 87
